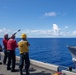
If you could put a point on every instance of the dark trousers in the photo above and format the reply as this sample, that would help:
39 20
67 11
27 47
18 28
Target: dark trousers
5 56
11 59
24 58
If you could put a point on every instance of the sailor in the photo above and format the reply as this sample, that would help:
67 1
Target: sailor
0 53
24 54
11 46
5 40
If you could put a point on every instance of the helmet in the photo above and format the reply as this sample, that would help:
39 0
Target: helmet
23 36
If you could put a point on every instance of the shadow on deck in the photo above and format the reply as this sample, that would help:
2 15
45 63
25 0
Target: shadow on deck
34 70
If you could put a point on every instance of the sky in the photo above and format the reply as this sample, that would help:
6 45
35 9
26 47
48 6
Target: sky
38 18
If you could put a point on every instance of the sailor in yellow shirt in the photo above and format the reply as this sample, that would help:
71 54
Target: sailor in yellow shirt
24 54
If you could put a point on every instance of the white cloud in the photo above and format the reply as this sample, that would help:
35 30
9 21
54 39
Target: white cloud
50 14
74 32
66 27
64 33
56 29
53 14
37 33
4 30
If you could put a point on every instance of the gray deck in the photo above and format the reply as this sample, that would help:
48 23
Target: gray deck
34 70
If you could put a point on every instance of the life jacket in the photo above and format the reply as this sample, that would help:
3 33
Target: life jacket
11 44
23 47
5 43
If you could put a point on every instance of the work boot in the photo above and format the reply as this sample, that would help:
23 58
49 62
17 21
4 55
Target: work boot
8 68
13 70
0 63
21 73
27 73
4 63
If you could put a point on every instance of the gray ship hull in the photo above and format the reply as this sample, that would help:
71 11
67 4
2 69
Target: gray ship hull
72 50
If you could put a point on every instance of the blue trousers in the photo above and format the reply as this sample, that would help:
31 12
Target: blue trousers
5 56
24 58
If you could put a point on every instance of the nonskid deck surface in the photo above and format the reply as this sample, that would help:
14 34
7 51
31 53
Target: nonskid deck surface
34 70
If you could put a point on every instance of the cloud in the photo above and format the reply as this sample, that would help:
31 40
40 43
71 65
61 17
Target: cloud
66 27
53 14
64 33
50 14
4 31
74 32
37 33
56 29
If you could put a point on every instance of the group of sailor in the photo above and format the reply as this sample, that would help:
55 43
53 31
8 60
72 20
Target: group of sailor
10 45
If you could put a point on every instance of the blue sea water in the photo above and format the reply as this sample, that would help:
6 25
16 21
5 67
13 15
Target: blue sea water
50 50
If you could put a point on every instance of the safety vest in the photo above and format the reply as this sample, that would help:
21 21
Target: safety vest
23 47
5 43
11 44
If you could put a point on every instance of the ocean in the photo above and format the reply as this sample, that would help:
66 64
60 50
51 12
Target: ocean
50 50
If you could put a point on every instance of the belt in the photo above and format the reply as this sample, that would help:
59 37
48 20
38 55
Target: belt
24 53
10 50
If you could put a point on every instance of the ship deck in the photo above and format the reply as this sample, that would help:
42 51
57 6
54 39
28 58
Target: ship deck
34 70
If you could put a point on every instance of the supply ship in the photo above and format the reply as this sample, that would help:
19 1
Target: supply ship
72 50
